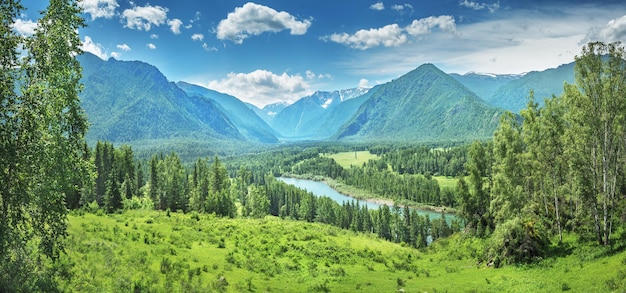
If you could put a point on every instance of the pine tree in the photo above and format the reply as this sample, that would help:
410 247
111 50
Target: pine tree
112 196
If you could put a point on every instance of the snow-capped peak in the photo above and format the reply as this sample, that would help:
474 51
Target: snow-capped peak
327 103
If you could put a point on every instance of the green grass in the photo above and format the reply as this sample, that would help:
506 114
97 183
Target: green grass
201 253
347 159
446 182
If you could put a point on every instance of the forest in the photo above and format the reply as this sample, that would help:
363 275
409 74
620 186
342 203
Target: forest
551 182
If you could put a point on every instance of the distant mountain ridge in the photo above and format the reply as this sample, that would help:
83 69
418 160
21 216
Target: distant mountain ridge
305 118
484 85
513 96
129 101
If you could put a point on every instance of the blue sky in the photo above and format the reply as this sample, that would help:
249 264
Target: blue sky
268 51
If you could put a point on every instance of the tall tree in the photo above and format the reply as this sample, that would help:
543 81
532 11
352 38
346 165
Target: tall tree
113 195
154 180
474 199
551 158
596 106
508 192
42 131
258 204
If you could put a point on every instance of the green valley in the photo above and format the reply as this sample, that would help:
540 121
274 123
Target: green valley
115 179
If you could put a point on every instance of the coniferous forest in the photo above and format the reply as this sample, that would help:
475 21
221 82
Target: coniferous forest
541 206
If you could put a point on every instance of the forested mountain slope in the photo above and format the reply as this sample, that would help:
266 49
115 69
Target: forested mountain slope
245 119
133 101
424 104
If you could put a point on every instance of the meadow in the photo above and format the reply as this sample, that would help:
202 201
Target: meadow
153 251
446 181
347 159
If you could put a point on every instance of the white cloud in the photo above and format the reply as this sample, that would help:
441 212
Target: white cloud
480 6
388 36
116 55
93 48
393 35
255 19
512 41
377 6
151 46
423 26
208 48
310 74
401 7
99 8
123 47
364 83
144 17
154 36
262 87
613 31
24 27
196 17
175 25
197 37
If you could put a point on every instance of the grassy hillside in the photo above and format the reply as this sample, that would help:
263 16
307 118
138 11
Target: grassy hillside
150 251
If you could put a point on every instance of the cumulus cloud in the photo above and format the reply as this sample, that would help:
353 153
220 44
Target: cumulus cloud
151 46
123 47
255 19
197 37
94 48
144 17
392 35
154 36
377 6
424 26
99 8
613 31
389 36
480 6
262 87
116 55
175 25
24 27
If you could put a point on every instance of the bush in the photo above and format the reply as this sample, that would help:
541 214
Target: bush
518 241
138 203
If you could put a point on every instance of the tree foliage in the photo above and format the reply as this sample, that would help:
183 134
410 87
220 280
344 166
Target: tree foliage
42 128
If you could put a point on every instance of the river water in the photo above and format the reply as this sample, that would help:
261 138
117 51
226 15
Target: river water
322 189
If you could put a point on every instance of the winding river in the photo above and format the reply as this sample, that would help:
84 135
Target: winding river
322 189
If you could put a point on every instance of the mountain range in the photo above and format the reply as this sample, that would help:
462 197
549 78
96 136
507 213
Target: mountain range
132 101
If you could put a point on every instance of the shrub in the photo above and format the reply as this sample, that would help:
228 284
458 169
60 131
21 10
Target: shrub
166 265
138 203
518 241
565 287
